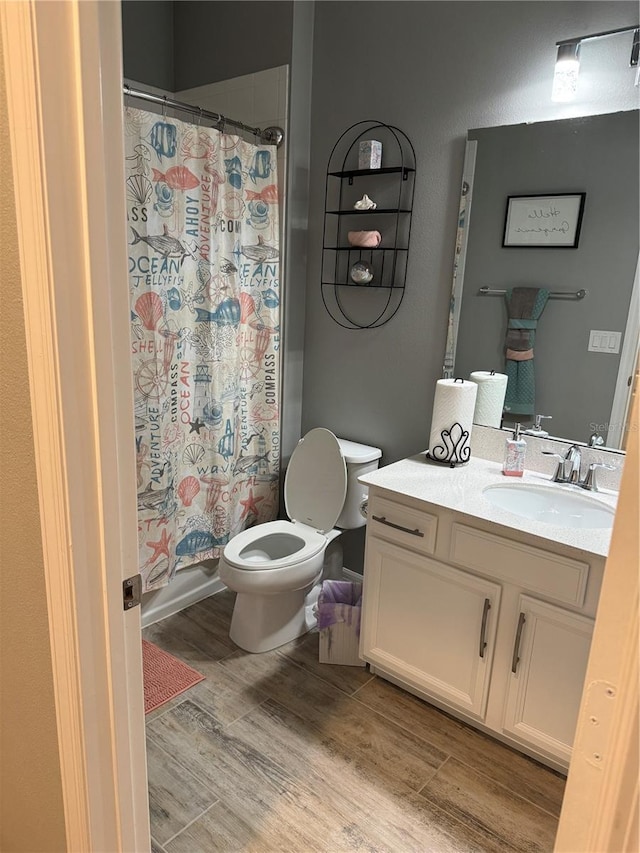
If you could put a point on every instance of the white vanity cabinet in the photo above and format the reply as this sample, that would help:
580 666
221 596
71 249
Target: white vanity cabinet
430 624
492 627
550 653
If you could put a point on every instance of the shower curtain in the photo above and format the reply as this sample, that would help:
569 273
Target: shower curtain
202 210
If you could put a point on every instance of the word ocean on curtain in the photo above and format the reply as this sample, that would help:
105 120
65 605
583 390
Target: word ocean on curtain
202 211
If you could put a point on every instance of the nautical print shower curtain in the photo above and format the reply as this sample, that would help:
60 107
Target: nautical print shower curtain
202 210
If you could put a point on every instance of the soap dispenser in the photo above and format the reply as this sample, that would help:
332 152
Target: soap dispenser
537 429
515 449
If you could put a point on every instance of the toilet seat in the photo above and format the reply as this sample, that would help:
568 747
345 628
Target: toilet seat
314 491
315 484
288 542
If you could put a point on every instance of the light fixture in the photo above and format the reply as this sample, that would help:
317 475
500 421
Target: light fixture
565 78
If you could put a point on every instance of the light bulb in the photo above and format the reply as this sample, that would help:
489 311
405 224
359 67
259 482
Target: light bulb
565 78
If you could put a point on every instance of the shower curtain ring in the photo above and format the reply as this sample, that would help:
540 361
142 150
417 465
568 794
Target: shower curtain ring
199 116
164 106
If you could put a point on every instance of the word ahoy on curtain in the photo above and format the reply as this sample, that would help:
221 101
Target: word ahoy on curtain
202 210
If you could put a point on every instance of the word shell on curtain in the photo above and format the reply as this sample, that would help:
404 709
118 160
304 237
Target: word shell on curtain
202 210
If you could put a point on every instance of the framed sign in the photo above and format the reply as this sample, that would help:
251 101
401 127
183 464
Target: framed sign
543 221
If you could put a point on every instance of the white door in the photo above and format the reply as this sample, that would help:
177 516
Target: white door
430 625
63 69
550 653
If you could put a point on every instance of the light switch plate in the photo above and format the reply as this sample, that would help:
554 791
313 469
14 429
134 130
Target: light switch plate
604 341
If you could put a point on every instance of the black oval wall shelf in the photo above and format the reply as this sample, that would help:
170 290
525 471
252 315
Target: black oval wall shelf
391 187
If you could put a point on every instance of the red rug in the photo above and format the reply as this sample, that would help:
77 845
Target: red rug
164 676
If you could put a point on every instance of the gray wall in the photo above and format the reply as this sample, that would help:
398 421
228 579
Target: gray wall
218 40
186 43
147 42
434 69
597 155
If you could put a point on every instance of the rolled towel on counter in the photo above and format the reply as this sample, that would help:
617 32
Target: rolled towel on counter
454 402
492 388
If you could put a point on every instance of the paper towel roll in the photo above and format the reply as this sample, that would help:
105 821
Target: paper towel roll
492 388
453 402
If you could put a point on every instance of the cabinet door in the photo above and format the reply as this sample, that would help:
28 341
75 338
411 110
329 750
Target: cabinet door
431 626
550 652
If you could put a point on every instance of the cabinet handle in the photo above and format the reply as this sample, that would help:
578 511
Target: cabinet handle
483 627
383 520
516 648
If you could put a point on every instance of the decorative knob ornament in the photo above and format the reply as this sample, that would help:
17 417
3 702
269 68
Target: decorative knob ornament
365 203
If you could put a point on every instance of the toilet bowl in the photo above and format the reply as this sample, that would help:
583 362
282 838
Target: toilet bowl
276 568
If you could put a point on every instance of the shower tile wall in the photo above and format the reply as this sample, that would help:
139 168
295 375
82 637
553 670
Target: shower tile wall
259 100
256 99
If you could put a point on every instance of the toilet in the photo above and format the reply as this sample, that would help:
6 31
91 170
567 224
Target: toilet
276 568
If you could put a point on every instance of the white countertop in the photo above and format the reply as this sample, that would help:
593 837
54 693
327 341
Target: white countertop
460 489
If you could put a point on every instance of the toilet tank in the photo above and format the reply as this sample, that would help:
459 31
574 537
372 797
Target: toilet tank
360 459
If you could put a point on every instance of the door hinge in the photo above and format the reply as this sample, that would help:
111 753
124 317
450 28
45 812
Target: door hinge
132 591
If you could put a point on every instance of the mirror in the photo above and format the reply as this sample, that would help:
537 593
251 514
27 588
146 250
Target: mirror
586 392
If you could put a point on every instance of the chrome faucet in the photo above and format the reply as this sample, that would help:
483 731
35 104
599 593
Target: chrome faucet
568 470
574 460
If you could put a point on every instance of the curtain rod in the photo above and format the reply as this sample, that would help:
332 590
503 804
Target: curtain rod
270 135
553 294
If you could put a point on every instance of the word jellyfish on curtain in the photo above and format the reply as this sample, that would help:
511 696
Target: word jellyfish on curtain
202 210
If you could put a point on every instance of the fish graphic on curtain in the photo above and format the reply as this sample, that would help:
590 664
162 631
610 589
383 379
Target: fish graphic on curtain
202 211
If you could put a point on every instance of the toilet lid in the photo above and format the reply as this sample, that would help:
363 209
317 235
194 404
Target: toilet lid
316 481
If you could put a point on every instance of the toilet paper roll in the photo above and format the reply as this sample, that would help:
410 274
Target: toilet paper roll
454 402
492 388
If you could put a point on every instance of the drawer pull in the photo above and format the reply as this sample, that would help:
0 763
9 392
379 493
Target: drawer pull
483 627
516 648
383 520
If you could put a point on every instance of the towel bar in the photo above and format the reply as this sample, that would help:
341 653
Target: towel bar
554 294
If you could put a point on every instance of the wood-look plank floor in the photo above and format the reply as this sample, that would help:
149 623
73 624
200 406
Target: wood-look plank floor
277 752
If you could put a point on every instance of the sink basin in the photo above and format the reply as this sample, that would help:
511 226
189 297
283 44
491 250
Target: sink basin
550 504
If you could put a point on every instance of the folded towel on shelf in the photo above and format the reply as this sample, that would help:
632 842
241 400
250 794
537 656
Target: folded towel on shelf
524 308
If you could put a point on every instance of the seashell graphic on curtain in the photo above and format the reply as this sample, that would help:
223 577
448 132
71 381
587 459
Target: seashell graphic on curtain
204 263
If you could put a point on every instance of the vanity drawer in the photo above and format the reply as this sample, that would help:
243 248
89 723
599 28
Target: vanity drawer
403 525
533 569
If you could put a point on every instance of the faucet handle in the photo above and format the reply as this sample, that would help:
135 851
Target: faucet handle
559 475
589 481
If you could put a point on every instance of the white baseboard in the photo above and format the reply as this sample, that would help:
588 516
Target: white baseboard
187 587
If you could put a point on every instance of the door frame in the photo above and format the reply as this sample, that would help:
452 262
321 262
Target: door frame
600 810
63 68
